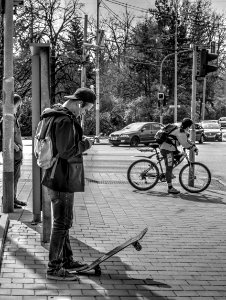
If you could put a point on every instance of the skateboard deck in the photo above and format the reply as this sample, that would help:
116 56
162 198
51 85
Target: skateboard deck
134 241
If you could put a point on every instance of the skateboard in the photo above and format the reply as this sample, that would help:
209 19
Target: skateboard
134 241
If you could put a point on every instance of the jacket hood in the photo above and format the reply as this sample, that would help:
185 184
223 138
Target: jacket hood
56 111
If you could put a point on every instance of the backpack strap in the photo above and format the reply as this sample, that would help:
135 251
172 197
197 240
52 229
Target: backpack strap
172 141
50 125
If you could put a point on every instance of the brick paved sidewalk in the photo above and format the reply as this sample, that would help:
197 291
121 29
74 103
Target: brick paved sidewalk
183 255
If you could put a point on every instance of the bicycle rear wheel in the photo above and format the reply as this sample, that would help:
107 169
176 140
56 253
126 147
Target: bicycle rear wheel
143 174
195 177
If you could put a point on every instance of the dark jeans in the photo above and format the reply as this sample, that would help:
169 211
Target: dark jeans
17 174
60 249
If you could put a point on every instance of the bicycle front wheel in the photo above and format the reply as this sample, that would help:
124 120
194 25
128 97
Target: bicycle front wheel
195 177
143 174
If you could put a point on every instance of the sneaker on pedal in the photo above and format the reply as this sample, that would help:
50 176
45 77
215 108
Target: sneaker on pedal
62 275
173 191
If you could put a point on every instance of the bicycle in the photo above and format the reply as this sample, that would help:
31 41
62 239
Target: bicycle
144 174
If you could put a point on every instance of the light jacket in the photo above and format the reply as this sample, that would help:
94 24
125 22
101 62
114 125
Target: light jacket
68 143
180 138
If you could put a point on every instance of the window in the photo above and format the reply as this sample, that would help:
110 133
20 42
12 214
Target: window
146 127
156 127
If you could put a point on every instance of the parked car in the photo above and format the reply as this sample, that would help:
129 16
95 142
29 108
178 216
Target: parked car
223 129
135 134
212 131
199 132
222 122
209 121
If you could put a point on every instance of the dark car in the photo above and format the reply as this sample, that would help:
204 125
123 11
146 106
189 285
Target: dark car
199 132
222 122
212 131
135 134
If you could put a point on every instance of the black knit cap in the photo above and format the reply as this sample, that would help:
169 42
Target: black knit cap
186 122
83 94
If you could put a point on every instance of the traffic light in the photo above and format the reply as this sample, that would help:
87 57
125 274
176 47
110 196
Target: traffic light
2 7
205 58
161 99
161 96
15 3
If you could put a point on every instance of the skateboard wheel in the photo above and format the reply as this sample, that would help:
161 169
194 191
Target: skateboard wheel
137 246
97 271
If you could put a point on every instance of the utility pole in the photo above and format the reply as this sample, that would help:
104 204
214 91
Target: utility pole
8 111
97 76
83 71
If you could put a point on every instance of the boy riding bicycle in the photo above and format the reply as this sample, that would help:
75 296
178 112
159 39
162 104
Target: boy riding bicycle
169 151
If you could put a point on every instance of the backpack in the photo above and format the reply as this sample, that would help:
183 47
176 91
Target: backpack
43 145
163 134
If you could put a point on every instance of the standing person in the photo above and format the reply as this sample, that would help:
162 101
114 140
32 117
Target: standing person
169 151
68 178
18 150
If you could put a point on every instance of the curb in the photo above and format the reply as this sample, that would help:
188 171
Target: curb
4 225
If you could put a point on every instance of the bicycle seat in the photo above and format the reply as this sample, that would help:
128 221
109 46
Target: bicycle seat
154 146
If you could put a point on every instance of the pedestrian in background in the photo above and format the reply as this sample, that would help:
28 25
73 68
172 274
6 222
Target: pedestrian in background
68 178
18 150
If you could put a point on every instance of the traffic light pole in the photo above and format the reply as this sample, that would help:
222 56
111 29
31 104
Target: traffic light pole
193 100
204 99
161 84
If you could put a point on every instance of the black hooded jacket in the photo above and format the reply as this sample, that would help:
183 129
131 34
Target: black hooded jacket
66 134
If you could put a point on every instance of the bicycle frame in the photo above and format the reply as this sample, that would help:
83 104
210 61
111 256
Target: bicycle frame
159 157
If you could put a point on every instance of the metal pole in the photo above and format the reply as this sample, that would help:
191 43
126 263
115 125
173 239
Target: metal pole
193 100
204 99
36 110
97 79
193 113
8 111
160 77
161 87
175 74
83 72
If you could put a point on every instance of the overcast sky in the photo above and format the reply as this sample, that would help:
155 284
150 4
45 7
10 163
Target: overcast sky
107 6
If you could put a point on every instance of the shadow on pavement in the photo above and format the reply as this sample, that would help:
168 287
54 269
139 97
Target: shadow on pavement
114 271
201 197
